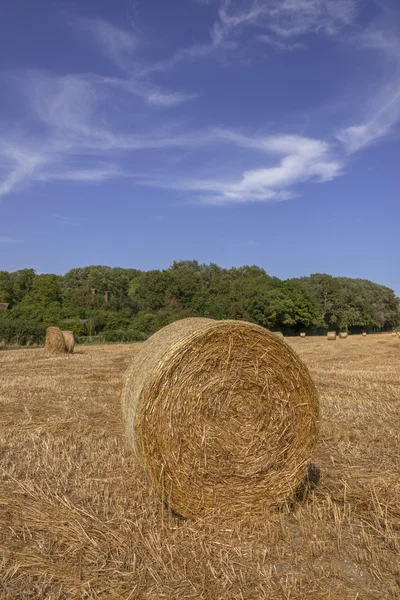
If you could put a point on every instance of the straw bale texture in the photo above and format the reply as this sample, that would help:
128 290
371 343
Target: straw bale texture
343 335
303 334
69 340
331 335
55 343
222 415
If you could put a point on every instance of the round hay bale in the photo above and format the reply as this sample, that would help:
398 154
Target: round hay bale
55 343
331 335
303 334
69 340
222 415
343 335
364 333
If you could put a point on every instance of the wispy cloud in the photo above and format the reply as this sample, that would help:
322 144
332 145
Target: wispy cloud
121 47
244 244
153 95
89 175
68 108
378 125
72 135
380 112
302 160
19 164
116 43
278 20
8 240
65 220
279 44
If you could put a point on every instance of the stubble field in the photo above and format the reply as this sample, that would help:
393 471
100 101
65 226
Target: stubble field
78 520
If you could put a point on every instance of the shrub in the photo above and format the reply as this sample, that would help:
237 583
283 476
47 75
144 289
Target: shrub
118 335
22 333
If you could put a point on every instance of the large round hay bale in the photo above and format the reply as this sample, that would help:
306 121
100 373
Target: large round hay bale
222 415
343 335
331 335
303 334
69 340
55 343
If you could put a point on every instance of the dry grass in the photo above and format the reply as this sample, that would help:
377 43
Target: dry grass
223 417
78 519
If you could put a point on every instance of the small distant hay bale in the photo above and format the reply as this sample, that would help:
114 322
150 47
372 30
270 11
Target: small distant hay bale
331 335
69 340
278 334
343 335
55 343
222 416
303 334
364 333
394 333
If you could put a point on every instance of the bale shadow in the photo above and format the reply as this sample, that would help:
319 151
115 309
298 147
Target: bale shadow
308 484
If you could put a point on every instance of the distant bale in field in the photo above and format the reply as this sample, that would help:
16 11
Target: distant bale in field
222 415
303 334
331 335
394 333
55 343
343 335
364 333
69 340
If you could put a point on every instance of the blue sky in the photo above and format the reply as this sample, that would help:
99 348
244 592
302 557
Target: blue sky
135 133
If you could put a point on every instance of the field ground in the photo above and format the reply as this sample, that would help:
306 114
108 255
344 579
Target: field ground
78 520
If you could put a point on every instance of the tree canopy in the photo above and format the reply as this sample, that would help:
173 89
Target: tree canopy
142 302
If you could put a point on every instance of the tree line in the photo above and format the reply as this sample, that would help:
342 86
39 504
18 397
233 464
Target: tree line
141 302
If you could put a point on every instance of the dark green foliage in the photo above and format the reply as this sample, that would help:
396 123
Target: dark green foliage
22 333
140 303
120 335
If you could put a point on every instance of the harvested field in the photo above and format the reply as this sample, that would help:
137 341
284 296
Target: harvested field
78 519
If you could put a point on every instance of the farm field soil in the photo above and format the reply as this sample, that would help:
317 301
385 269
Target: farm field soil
78 519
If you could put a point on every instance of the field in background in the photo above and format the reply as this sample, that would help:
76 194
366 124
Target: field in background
78 520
